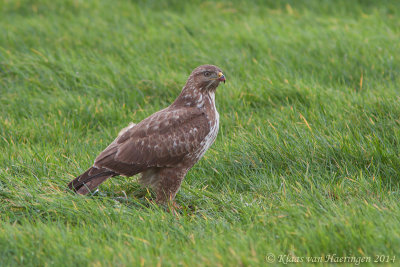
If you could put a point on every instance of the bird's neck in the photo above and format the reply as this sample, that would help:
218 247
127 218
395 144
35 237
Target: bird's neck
195 97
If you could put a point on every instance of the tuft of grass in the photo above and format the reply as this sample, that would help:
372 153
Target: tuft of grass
306 163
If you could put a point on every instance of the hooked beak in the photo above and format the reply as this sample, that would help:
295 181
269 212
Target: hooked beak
221 77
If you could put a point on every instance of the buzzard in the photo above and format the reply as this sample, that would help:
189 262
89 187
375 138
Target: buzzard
164 146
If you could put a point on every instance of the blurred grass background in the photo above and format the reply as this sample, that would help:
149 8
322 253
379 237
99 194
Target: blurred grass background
306 162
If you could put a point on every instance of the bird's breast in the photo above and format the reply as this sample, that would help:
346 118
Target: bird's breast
213 122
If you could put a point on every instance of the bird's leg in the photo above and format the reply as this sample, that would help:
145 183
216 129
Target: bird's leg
167 197
167 187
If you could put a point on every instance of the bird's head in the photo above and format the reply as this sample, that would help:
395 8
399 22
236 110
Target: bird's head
206 77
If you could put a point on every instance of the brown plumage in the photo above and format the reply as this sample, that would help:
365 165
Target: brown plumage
164 146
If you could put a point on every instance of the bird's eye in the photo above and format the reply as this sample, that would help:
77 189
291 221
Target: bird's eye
207 73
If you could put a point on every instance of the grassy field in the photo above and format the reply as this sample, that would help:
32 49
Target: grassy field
306 163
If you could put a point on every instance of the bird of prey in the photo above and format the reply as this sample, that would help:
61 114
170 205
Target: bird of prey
164 146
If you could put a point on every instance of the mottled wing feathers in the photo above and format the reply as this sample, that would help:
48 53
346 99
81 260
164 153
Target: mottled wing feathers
161 140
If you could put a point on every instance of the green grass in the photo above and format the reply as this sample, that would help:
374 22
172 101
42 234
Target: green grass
306 162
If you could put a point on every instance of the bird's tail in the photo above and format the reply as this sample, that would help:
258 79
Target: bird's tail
90 179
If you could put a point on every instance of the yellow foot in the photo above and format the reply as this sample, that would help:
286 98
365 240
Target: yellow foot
171 206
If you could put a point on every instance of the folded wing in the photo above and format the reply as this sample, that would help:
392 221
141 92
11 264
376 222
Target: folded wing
161 140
